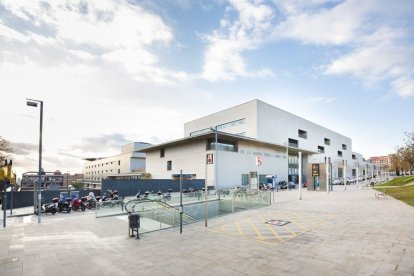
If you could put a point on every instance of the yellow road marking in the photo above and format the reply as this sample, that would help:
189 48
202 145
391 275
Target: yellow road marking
255 229
228 229
287 228
301 217
298 224
239 229
273 231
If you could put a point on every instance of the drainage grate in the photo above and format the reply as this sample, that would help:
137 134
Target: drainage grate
277 222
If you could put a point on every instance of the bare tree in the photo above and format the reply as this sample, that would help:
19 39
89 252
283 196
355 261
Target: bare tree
5 148
403 159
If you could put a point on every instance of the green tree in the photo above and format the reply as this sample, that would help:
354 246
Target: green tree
77 184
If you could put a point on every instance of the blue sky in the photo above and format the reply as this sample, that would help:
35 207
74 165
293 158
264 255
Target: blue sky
111 72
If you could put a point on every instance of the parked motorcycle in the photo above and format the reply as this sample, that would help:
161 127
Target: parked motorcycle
64 206
110 199
90 201
78 204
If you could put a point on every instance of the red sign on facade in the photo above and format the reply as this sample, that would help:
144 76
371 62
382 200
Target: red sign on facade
209 158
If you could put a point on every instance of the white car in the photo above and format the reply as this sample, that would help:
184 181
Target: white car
338 181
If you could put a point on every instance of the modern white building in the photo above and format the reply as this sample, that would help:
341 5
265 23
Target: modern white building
129 161
253 139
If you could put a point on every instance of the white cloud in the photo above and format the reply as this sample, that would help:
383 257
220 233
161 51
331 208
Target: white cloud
372 37
338 25
404 87
223 57
112 32
374 62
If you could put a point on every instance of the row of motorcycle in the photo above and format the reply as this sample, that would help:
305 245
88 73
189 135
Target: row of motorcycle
69 204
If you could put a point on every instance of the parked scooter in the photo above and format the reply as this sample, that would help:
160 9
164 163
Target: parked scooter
48 208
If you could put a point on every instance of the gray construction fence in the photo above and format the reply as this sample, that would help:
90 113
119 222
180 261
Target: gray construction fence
125 187
130 187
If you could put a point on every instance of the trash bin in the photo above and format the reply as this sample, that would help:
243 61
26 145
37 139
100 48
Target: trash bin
134 224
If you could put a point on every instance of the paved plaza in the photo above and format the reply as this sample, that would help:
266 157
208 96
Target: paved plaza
341 233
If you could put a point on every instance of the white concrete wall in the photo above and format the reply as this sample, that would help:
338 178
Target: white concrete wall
268 123
232 165
246 110
277 126
191 158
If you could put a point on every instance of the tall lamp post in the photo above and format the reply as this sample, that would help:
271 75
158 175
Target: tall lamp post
215 160
33 103
67 181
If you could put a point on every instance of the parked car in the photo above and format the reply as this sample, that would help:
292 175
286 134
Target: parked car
338 181
350 180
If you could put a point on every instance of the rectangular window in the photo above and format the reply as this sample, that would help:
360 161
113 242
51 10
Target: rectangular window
302 134
222 145
162 152
343 146
119 171
353 172
353 156
293 143
327 141
339 153
340 172
169 165
119 162
321 149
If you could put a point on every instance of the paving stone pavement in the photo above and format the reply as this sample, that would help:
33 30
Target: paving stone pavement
341 233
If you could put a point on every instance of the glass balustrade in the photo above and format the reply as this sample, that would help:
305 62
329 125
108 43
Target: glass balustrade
162 211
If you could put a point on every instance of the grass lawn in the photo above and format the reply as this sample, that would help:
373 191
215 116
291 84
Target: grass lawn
399 181
403 193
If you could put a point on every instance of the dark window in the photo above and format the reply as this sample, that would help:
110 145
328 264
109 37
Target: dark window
353 156
119 162
327 141
293 143
353 172
302 134
343 146
222 145
340 172
162 152
321 149
339 153
169 165
119 170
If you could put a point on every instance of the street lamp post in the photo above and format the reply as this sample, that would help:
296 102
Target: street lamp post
33 103
300 174
67 182
215 161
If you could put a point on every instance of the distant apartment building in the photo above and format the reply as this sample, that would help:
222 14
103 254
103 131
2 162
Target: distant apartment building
129 161
380 160
49 180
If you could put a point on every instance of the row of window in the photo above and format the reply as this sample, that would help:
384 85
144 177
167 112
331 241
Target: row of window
220 127
97 172
222 145
295 144
304 134
103 164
